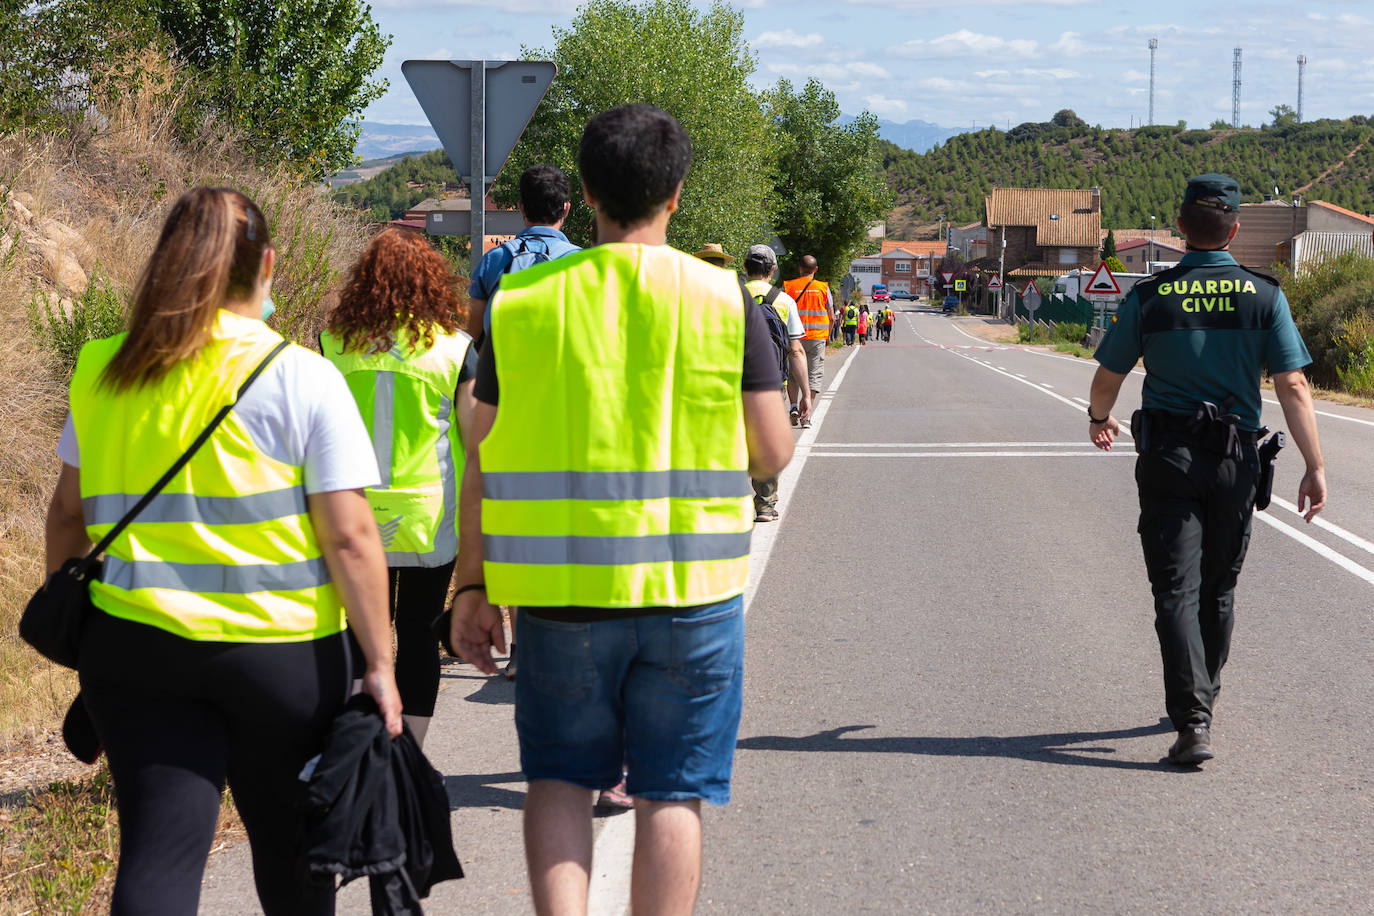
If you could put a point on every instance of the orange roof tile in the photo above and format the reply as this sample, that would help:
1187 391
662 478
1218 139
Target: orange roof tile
916 248
1078 225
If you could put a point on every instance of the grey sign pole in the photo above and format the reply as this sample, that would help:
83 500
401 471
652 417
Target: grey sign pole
478 179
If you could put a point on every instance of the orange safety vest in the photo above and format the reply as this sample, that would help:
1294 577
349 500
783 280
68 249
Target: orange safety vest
810 306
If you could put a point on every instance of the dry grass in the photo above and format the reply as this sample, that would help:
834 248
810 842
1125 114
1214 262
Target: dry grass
115 187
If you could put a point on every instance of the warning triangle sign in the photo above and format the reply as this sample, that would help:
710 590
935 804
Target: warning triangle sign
948 275
1103 283
995 282
1030 287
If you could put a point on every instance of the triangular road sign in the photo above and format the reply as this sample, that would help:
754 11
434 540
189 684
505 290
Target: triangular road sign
1103 283
444 90
948 275
995 282
1030 285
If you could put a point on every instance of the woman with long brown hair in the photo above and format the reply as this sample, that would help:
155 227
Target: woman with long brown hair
217 652
395 337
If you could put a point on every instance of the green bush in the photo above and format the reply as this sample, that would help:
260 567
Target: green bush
1357 376
1072 333
98 312
1333 306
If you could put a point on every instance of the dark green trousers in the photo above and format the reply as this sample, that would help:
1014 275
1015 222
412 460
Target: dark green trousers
1195 511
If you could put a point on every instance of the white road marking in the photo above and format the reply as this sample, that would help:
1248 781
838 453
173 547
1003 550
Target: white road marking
1094 453
1301 537
613 851
1317 546
1083 401
1347 536
830 445
1327 413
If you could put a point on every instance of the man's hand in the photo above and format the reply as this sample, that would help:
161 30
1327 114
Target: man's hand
1312 494
804 404
1103 434
476 628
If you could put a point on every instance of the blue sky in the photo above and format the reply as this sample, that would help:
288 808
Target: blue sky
955 64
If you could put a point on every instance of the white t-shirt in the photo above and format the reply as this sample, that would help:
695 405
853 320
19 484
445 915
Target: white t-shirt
785 305
300 412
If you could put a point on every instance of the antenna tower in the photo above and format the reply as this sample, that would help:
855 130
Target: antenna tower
1235 89
1154 44
1302 66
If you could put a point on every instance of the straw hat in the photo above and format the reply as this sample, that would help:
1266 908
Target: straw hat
714 252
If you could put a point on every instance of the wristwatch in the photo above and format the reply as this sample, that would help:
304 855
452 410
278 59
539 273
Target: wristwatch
1094 420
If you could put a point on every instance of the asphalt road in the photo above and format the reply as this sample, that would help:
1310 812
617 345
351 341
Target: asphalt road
953 694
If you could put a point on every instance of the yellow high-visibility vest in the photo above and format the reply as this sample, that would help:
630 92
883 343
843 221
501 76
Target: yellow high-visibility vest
406 400
226 551
616 474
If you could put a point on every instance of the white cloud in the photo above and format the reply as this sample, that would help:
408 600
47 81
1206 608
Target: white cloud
1135 75
940 84
1068 43
966 43
988 74
865 68
788 38
882 105
1058 73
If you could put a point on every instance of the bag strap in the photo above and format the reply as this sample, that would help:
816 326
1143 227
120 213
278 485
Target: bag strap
180 463
772 295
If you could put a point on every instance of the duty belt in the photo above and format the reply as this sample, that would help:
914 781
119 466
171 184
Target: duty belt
1208 428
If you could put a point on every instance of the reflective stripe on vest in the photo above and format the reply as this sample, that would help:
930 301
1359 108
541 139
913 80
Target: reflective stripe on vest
616 473
810 305
406 400
227 552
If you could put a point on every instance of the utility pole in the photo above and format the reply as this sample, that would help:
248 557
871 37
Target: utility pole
1154 45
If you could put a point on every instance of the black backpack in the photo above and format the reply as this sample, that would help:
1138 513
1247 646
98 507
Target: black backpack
777 328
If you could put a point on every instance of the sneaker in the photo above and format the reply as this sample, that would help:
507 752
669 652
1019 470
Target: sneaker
1193 746
615 797
766 514
795 414
510 664
806 424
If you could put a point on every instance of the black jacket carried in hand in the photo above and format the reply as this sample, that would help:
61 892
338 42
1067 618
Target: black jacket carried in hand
375 807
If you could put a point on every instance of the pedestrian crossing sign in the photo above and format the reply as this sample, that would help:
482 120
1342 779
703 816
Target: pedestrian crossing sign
960 285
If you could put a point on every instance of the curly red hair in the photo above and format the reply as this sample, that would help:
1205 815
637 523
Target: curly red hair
399 281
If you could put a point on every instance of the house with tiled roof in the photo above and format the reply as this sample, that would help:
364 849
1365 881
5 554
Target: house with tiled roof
1136 254
1048 231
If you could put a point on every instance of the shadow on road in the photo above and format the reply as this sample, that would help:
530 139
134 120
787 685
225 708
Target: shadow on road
1071 748
481 791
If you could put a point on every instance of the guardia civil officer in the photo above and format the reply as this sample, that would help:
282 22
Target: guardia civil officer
1207 330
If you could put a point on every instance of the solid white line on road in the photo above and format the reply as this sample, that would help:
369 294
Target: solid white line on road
1306 540
1094 453
1327 413
1323 524
828 445
613 852
1083 401
1302 538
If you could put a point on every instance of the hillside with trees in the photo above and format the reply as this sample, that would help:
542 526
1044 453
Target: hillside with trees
1141 172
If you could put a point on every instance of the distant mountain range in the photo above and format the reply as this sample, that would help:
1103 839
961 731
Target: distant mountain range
379 140
918 136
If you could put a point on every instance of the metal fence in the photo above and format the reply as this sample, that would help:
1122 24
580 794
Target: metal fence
1059 310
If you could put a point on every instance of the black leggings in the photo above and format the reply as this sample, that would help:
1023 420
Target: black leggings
177 717
419 593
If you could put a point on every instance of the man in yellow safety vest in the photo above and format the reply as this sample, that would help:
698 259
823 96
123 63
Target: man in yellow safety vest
625 397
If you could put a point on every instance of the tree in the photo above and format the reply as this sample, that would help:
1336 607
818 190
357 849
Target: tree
1114 264
1219 124
1067 118
829 185
615 52
1109 245
1284 116
290 75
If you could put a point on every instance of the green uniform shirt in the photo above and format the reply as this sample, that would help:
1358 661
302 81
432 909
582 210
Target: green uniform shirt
1207 329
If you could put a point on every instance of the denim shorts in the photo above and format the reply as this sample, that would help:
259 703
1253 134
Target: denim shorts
660 695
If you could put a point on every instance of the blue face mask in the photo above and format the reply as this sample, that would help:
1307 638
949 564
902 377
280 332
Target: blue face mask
268 308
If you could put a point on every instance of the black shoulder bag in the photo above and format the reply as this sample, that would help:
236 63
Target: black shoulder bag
56 615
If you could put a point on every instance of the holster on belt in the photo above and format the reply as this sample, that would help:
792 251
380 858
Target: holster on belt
1269 457
1216 431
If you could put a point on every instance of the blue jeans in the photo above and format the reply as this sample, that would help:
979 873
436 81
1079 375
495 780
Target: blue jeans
660 695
